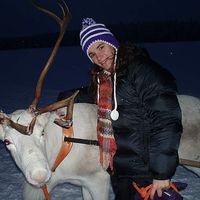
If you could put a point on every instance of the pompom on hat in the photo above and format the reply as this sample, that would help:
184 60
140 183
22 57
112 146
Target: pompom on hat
92 32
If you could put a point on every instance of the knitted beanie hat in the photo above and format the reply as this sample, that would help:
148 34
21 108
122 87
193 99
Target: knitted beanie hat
92 32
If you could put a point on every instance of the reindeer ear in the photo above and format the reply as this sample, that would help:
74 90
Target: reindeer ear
2 133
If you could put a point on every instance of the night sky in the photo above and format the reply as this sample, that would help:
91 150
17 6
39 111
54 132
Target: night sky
20 18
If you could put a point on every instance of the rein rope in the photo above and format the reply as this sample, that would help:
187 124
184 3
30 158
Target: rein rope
145 191
81 141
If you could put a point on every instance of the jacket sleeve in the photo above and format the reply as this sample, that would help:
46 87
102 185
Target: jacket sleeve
84 96
157 90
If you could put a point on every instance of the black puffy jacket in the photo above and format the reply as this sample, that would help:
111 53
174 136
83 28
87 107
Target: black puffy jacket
149 127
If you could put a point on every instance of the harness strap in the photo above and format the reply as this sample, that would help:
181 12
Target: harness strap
65 148
64 151
67 128
81 141
46 193
144 192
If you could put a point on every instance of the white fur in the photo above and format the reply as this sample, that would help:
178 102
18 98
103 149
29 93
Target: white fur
36 154
190 140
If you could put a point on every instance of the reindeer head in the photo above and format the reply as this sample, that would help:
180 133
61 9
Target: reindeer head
27 151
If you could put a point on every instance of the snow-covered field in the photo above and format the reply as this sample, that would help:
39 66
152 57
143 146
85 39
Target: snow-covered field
19 70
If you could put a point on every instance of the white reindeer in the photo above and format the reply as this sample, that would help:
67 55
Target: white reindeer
35 154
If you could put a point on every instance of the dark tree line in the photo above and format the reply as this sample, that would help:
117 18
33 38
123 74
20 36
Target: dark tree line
168 31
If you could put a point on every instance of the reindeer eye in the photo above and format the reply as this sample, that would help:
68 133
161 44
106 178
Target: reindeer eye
7 142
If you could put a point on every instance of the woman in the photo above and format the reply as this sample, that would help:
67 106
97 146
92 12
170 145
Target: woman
139 117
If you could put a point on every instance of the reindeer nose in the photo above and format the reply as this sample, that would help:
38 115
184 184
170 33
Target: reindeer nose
40 175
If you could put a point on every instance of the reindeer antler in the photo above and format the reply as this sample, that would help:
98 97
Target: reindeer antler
27 130
59 104
8 122
63 24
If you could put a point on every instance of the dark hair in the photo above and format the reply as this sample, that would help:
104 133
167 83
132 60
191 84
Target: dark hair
126 54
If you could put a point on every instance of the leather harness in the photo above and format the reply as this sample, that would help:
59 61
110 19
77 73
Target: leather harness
65 149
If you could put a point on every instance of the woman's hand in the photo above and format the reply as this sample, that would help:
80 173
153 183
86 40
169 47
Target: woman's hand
158 186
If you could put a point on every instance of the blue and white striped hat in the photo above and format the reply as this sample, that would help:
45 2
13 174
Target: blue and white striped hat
92 32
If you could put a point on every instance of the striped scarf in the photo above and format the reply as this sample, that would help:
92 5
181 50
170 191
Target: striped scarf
104 124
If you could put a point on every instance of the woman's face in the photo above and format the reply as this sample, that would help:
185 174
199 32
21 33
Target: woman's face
103 55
